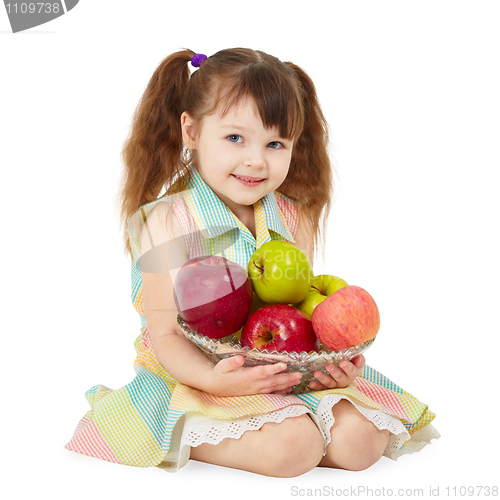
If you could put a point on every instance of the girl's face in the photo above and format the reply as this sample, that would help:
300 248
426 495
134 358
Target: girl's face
237 156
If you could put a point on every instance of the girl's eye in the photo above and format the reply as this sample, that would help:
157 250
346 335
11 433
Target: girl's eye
234 138
275 145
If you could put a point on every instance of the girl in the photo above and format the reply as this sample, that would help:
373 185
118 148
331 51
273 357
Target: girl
219 162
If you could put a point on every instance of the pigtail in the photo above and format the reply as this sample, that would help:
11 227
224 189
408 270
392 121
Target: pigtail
311 161
153 152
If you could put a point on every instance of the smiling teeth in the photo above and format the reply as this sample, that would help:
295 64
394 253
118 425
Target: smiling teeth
247 180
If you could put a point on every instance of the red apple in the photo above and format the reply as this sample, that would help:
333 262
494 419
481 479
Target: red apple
213 295
279 327
257 303
346 318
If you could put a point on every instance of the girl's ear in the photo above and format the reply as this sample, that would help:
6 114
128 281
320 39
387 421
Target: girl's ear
188 132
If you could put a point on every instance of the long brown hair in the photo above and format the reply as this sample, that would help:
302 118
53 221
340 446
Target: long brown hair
154 156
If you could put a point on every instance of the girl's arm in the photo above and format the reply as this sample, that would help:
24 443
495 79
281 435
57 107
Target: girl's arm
339 376
181 358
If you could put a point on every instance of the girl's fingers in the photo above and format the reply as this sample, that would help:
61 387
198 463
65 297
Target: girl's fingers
229 364
327 381
358 361
284 391
348 372
265 371
276 389
347 366
318 386
280 382
270 379
338 374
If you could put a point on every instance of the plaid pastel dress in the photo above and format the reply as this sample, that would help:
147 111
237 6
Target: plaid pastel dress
155 420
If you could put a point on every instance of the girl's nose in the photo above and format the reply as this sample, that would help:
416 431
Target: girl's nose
255 158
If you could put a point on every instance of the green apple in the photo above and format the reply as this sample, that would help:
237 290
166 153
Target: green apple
280 272
322 286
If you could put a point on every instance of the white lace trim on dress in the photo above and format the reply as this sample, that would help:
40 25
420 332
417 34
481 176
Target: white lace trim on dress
381 420
212 430
419 439
198 429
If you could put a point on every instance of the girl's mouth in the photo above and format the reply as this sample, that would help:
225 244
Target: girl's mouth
248 181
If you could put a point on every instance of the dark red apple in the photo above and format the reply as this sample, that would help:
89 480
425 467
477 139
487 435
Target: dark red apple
213 295
346 318
279 327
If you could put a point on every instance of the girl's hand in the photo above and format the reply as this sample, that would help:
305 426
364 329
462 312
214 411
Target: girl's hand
230 378
340 376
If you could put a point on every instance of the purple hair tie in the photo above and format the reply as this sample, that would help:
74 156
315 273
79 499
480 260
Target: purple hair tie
198 59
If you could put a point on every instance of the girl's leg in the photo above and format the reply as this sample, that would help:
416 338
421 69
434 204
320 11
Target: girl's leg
288 449
356 442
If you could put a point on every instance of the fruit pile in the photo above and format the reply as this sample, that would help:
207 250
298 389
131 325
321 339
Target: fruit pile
276 304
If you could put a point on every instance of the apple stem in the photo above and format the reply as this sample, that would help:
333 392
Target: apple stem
259 268
316 288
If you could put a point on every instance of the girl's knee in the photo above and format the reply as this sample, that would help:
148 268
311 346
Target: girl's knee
356 442
368 444
292 447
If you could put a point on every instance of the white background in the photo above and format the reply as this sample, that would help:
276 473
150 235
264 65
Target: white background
410 90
